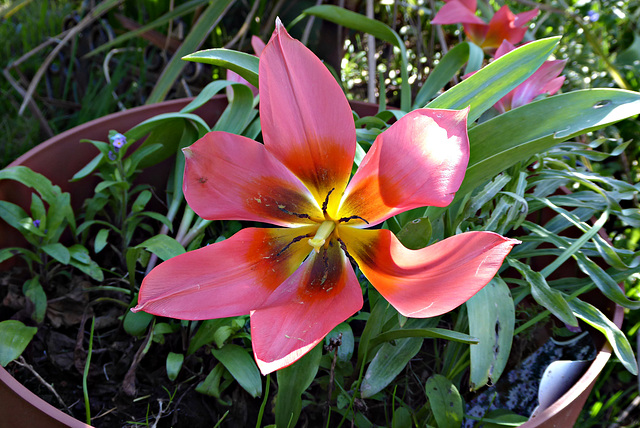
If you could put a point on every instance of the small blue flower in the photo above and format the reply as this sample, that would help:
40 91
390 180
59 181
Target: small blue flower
36 223
118 140
593 16
112 155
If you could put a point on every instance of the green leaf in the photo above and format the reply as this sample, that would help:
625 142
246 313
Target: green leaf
430 332
402 418
207 21
174 364
445 401
31 179
14 338
136 323
217 330
206 94
416 233
88 168
516 135
244 64
141 201
491 319
377 29
237 115
551 299
80 259
58 252
343 333
486 87
142 158
38 211
7 253
293 381
101 240
59 216
596 319
211 384
241 366
388 362
35 293
13 215
447 68
162 246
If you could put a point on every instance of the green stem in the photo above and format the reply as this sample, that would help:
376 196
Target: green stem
87 363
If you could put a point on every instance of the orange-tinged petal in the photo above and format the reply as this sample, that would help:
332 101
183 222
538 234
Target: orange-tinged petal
457 12
420 160
306 120
229 278
506 26
320 295
230 177
430 281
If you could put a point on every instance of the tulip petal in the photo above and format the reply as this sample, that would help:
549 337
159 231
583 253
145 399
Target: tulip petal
320 295
258 45
503 27
229 278
457 12
420 160
537 83
430 281
231 177
306 120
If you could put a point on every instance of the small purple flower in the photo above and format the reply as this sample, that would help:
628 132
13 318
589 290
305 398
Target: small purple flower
112 155
593 16
118 140
36 223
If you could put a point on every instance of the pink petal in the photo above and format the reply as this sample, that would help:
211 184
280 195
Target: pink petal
536 84
457 12
504 48
229 278
420 160
230 177
258 45
320 295
522 19
306 120
430 281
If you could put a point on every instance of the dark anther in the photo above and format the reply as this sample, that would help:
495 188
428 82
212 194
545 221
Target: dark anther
296 239
203 180
326 201
292 213
344 248
353 217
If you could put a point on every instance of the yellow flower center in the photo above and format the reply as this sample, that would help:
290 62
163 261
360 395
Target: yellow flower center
324 231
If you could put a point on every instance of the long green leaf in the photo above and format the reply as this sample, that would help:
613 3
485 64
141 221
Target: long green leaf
491 319
446 69
237 360
490 84
292 382
445 401
207 22
551 299
242 63
379 30
592 316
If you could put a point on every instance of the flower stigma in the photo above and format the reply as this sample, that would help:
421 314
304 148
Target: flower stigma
324 231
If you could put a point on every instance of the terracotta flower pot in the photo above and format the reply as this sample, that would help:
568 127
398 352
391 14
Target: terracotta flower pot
60 157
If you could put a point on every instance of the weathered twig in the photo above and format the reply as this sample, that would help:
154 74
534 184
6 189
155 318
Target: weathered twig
21 362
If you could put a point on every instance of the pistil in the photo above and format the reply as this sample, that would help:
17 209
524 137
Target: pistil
323 232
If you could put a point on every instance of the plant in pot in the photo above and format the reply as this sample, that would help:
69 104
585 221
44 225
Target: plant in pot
293 296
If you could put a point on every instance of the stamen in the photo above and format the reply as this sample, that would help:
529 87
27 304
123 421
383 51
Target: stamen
344 248
296 239
325 204
353 217
282 208
323 232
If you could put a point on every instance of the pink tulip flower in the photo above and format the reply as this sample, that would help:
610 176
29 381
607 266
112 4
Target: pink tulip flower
297 281
503 26
258 46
